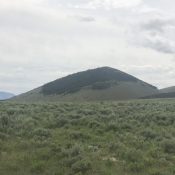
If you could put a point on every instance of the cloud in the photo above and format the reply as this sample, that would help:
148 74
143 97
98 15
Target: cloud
96 4
86 18
47 39
112 4
19 3
156 33
160 44
157 25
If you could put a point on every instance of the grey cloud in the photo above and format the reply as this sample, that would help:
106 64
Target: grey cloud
155 25
155 33
86 19
161 45
158 25
95 4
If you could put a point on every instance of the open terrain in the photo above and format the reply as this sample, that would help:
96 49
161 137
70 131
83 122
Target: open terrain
104 138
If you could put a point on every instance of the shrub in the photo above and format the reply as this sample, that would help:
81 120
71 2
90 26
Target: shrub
75 151
132 155
81 166
169 146
94 124
4 121
79 135
3 136
71 151
112 127
149 134
41 133
38 167
136 167
59 123
113 147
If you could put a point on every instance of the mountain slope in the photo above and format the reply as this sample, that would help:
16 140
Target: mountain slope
168 90
161 95
5 95
92 85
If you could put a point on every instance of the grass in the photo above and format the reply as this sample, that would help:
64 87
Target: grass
105 138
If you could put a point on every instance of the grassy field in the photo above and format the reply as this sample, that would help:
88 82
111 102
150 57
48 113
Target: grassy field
105 138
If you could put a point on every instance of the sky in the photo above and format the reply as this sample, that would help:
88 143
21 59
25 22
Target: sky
42 40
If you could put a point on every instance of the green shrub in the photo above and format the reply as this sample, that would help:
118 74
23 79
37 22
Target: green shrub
168 146
79 135
132 155
4 121
61 122
41 133
136 167
149 134
38 166
112 126
81 166
3 136
94 124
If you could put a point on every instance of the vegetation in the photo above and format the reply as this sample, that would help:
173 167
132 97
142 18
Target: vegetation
102 85
161 95
75 82
105 138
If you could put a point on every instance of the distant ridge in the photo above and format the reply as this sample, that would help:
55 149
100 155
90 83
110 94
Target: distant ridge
5 95
103 83
168 90
161 95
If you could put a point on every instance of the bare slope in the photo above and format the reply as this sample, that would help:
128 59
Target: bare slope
92 85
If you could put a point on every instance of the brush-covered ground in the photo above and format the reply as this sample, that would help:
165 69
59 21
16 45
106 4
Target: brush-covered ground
107 138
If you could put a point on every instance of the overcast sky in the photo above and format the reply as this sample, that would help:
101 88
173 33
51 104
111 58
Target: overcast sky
42 40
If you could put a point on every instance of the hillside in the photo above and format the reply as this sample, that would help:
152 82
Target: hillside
160 95
163 93
5 95
92 85
168 90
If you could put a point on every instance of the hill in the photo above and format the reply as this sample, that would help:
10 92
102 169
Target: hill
160 95
5 95
163 93
103 83
168 90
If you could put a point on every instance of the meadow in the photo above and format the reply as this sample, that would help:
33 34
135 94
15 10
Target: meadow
99 138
